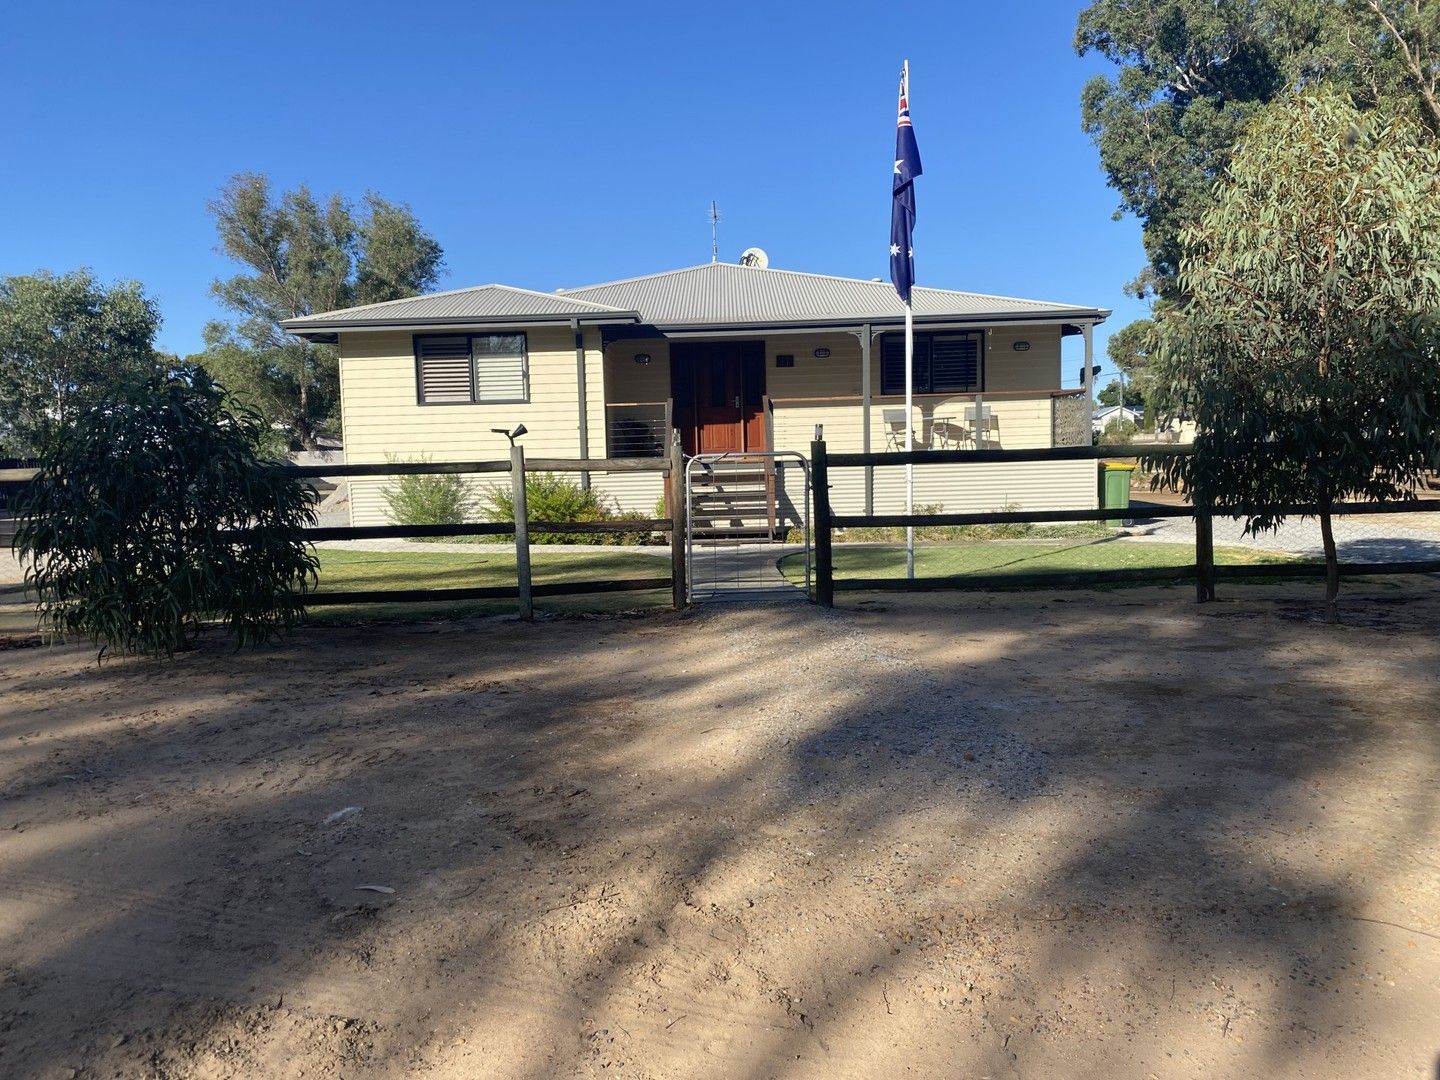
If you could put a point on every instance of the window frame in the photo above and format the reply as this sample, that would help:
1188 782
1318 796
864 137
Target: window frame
470 337
928 337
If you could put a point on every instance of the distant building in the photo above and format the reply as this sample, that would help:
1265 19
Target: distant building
1107 414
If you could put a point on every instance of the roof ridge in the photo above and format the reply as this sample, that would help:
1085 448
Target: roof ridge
824 277
382 303
1012 299
640 277
456 292
547 295
927 288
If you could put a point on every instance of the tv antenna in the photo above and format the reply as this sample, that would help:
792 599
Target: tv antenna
714 232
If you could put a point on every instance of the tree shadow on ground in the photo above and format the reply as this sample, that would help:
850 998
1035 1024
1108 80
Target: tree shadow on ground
964 835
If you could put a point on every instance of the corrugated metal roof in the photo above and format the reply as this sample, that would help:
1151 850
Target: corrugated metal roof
482 304
714 295
724 294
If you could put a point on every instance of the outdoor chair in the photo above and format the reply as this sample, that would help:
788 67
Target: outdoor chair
895 429
980 426
945 434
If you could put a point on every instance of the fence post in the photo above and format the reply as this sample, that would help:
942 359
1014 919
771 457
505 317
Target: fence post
675 496
824 567
1204 555
522 529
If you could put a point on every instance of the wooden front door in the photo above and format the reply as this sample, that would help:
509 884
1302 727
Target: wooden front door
719 393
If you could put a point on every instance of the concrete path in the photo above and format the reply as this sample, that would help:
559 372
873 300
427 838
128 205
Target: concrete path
730 571
10 572
1359 538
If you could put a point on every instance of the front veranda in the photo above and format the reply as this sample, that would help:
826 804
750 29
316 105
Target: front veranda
992 388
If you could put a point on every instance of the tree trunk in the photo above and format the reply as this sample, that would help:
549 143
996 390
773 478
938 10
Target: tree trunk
303 430
1332 563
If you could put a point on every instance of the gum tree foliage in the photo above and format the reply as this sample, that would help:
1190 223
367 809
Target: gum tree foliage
1110 395
152 512
1308 351
1129 349
304 255
1192 73
1132 349
66 343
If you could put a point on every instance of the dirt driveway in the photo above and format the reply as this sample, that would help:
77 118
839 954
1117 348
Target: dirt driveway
1082 835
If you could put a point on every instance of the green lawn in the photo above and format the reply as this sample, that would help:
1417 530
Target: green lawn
342 570
1017 557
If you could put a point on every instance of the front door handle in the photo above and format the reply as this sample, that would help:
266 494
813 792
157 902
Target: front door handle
737 401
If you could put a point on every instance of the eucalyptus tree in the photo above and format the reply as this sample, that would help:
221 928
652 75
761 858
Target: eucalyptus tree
67 342
1192 73
304 255
1307 349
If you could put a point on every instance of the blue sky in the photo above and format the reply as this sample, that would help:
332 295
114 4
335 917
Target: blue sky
551 145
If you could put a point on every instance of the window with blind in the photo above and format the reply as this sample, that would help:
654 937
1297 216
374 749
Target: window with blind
944 362
471 369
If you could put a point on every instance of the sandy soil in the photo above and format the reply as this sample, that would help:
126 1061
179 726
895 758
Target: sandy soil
1088 835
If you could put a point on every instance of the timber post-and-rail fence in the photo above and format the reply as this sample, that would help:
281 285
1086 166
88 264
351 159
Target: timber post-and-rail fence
1203 570
525 590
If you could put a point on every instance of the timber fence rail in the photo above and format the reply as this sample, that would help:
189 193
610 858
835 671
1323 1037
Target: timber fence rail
525 588
1203 569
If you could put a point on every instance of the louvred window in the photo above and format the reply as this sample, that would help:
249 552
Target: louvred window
465 369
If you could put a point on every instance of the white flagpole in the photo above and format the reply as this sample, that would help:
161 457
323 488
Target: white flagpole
909 403
909 441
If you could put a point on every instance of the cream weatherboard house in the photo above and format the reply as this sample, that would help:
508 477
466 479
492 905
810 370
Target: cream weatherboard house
735 358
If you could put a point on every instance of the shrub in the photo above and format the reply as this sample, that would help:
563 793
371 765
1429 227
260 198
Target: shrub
153 511
1118 433
549 497
434 499
960 533
628 539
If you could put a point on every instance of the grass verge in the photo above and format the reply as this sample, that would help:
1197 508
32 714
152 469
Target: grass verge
1029 557
342 571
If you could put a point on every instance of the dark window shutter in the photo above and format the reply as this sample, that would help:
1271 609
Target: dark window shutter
892 364
955 362
444 369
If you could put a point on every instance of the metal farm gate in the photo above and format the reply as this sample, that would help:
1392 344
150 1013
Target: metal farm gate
744 514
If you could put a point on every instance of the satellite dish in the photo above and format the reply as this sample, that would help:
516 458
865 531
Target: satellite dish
756 257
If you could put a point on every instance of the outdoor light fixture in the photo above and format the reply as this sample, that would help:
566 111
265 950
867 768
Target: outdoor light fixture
642 357
1021 346
511 435
821 353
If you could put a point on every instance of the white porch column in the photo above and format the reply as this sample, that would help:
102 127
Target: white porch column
865 416
1087 377
584 404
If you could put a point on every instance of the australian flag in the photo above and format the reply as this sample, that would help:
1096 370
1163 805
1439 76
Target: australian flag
902 209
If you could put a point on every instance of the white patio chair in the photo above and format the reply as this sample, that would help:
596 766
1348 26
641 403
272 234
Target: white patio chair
980 426
895 429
